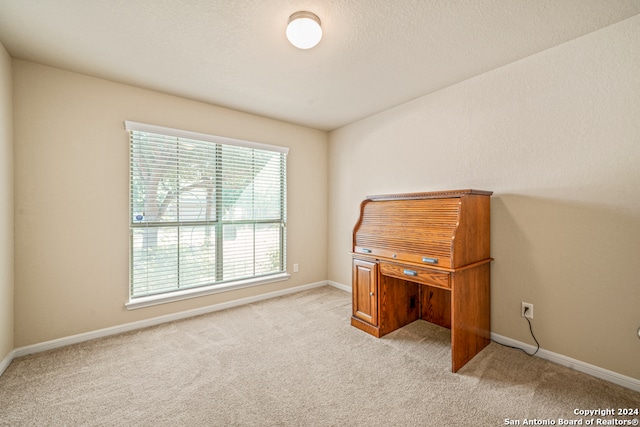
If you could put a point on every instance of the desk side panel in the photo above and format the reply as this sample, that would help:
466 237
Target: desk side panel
470 314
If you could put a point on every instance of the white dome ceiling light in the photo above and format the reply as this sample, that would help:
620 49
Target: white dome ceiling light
304 30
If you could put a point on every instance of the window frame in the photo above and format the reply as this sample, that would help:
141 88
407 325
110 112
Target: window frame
217 287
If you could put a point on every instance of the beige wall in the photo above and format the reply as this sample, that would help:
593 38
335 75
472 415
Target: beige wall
556 136
6 206
71 197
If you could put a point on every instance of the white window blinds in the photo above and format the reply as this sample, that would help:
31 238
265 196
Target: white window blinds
205 210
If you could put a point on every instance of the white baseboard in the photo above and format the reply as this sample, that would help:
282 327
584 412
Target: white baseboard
74 339
594 371
4 363
339 286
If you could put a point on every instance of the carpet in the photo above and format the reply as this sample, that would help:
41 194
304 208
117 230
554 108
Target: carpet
292 361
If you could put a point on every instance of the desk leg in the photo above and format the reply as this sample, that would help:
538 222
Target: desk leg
470 314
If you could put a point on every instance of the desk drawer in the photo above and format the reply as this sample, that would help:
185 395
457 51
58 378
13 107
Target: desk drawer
415 274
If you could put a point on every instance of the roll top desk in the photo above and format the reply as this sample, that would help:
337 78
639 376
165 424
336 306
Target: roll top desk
425 256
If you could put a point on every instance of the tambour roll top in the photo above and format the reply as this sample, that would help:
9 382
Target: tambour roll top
444 229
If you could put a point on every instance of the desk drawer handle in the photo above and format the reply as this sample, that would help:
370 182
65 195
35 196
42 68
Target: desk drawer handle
429 260
409 272
366 251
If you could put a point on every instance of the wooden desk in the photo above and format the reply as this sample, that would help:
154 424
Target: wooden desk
425 256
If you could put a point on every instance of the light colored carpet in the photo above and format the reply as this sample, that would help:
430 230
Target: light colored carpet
291 361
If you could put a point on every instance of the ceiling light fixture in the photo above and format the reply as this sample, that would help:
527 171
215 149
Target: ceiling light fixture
304 30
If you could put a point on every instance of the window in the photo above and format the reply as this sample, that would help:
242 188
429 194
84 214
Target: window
206 212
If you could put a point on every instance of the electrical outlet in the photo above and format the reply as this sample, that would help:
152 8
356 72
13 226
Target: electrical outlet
527 310
295 268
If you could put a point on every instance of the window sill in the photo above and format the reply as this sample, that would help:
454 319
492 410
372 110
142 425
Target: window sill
198 292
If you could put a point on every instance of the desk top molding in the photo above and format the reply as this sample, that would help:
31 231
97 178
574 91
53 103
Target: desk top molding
429 195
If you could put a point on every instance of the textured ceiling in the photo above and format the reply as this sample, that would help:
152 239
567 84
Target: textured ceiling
375 54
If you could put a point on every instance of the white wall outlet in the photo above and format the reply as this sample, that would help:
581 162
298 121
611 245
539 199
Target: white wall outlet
527 310
295 268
